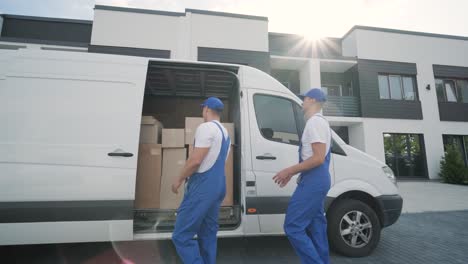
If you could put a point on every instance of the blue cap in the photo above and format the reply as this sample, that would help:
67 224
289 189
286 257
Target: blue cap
213 103
315 93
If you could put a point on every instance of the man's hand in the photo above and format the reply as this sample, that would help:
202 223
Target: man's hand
283 177
176 185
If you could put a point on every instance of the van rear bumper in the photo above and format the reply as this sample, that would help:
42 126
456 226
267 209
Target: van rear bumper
391 206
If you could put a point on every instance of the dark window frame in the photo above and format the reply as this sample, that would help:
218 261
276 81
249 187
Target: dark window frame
335 148
422 147
458 92
294 113
350 88
286 84
463 145
402 88
339 86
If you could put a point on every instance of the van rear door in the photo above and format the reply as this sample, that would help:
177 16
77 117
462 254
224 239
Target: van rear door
68 146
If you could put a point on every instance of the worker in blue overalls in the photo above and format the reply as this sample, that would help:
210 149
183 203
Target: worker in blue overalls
205 189
305 223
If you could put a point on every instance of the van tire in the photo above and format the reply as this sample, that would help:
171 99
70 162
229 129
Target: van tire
337 222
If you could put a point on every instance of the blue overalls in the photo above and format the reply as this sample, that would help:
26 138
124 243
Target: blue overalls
305 223
199 210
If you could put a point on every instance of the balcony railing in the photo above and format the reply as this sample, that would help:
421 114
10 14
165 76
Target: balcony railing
342 106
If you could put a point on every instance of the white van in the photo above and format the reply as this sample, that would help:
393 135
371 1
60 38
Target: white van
70 124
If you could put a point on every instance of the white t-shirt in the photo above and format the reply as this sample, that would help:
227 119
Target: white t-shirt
317 130
208 135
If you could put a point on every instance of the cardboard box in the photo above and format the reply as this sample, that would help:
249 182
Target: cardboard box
150 130
148 120
229 171
173 138
148 181
172 164
191 124
230 129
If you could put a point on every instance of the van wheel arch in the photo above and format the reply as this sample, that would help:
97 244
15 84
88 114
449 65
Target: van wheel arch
360 196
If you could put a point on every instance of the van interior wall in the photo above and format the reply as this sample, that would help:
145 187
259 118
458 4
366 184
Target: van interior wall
172 111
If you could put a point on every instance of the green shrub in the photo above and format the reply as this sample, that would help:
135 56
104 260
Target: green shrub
452 167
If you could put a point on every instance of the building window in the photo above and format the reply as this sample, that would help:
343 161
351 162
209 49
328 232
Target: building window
342 132
349 91
289 78
286 84
383 87
397 87
452 90
404 153
332 90
460 143
408 88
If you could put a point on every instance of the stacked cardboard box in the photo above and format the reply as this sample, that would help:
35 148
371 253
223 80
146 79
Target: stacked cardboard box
174 156
160 164
191 124
173 138
148 179
150 130
173 163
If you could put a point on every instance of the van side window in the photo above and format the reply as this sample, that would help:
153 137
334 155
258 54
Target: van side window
336 149
276 119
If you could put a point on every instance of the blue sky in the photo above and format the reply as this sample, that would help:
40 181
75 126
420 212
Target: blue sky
322 18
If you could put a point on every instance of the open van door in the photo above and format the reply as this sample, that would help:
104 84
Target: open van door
68 146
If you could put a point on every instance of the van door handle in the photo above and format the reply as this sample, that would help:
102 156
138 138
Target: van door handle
266 157
120 153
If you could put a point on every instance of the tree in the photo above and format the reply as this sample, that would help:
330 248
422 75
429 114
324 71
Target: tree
452 167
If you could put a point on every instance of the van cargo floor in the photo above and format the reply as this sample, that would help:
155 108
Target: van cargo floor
162 220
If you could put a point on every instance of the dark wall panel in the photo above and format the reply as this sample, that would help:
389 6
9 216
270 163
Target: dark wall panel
298 46
150 53
332 78
449 111
31 28
289 76
450 71
352 75
257 59
371 104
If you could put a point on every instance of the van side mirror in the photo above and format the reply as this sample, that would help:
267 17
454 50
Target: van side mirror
267 133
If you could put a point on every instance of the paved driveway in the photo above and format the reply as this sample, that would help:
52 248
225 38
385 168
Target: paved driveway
433 229
433 197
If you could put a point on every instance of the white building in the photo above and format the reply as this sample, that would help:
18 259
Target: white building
397 95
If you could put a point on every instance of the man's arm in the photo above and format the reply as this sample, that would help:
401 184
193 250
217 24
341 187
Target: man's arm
284 176
191 166
316 160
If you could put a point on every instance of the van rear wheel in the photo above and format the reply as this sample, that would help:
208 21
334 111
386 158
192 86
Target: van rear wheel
353 228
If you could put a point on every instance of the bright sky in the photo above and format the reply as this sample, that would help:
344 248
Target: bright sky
324 18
